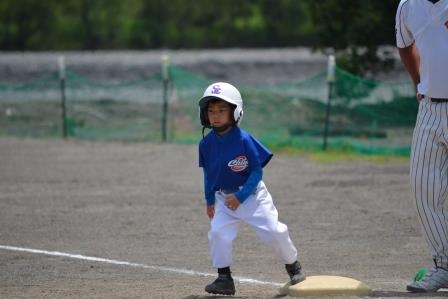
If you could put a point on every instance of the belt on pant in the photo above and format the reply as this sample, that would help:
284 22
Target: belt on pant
234 190
228 191
438 100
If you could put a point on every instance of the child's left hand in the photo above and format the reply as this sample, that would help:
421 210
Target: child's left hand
232 202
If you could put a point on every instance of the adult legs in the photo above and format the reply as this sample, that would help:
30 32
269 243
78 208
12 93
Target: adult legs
429 177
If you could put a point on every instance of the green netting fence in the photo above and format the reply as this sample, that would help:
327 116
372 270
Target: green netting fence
365 116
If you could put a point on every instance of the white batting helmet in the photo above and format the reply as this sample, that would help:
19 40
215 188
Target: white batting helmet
223 91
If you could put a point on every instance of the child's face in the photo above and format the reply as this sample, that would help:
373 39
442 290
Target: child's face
218 113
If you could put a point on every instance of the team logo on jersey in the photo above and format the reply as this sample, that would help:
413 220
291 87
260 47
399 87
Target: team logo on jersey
446 24
216 89
238 164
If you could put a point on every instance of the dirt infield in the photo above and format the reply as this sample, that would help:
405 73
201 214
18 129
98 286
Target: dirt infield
138 209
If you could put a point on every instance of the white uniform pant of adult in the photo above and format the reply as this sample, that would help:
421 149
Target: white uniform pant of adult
259 212
429 175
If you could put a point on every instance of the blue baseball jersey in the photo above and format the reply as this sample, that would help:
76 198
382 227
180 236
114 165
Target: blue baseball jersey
228 160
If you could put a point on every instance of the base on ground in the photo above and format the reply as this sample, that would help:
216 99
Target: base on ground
326 285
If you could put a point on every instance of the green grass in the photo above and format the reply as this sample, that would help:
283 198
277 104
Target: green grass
334 157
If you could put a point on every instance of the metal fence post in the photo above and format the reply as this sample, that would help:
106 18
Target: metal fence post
330 80
165 78
62 86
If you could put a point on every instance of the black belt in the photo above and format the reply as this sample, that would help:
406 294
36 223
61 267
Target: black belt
438 100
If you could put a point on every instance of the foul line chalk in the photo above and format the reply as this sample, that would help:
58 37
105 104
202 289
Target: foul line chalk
136 265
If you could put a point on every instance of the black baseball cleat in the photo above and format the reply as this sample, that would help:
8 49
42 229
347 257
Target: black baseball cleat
223 285
295 272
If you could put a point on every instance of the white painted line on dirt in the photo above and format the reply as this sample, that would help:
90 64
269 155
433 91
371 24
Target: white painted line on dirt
137 265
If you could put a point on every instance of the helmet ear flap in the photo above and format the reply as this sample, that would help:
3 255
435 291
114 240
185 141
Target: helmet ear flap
238 114
205 122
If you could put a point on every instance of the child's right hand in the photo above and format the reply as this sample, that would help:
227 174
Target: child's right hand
210 211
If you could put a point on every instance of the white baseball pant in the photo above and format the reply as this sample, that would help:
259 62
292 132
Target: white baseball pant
429 175
259 212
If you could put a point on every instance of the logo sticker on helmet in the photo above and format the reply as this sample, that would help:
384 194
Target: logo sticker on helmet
238 164
216 89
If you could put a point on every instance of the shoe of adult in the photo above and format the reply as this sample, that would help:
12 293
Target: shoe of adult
435 279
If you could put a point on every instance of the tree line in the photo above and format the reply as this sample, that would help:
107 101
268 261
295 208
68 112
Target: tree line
353 29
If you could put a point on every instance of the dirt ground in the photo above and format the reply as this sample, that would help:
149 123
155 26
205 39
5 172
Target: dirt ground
138 208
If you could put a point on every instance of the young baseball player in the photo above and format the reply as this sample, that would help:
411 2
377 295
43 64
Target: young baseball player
232 162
